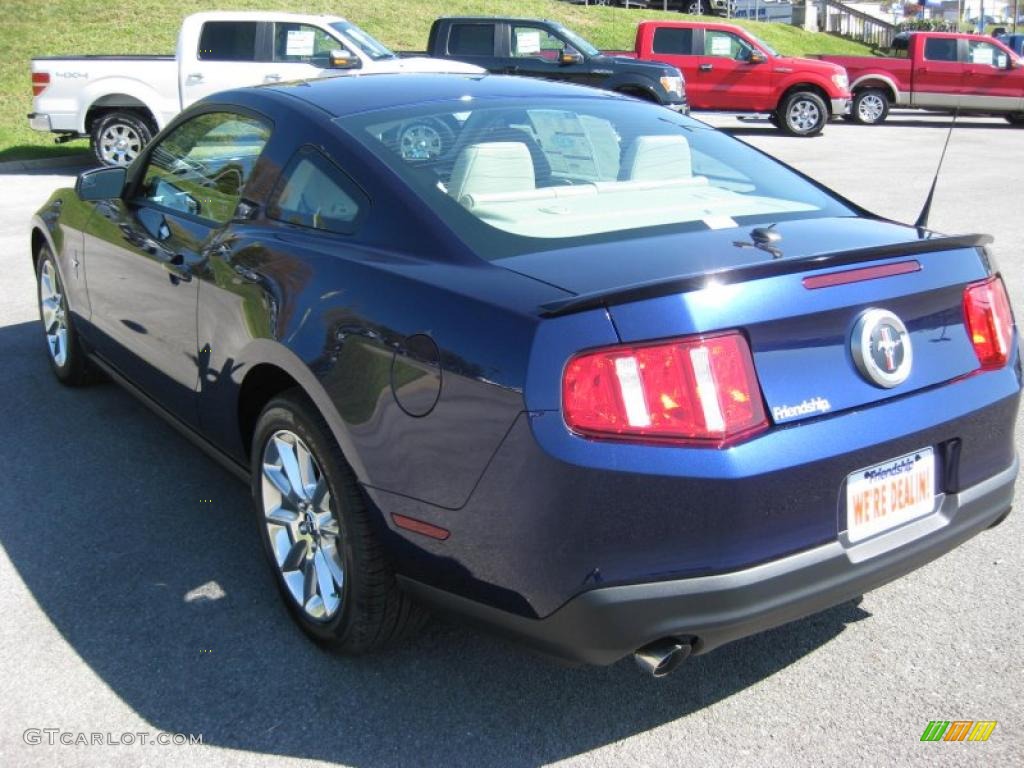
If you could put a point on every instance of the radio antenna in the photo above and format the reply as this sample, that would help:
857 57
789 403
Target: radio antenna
922 220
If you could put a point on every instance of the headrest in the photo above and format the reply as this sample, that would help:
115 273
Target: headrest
498 166
652 158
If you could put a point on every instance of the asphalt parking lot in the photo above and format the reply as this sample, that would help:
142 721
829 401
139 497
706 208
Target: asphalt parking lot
129 604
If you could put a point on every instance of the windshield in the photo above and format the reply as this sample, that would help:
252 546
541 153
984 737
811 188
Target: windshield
577 42
365 42
519 176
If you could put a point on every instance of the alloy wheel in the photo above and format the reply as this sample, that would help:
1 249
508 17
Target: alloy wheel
870 108
53 310
804 116
304 533
119 144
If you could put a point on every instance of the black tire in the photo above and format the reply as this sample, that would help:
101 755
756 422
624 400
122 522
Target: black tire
117 137
870 106
773 118
802 113
1017 118
64 351
373 611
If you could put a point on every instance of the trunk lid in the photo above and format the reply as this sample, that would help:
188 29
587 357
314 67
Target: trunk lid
802 312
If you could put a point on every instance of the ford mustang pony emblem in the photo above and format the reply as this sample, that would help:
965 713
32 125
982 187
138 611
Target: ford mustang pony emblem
881 348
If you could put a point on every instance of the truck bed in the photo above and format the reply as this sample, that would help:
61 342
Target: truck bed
107 57
899 69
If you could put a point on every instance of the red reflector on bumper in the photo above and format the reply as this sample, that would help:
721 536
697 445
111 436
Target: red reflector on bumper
418 526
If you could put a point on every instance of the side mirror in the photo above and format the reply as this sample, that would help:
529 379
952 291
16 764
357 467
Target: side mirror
756 57
569 56
342 59
100 184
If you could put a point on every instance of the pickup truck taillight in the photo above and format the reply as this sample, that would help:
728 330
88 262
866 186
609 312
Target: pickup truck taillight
40 81
989 321
698 390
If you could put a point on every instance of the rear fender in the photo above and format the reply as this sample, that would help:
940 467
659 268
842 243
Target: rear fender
114 92
876 80
271 352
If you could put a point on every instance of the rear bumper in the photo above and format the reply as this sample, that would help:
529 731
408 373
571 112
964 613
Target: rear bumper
602 625
39 122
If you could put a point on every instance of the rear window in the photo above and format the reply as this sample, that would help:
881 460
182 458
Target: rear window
471 40
526 176
940 49
314 193
228 41
673 41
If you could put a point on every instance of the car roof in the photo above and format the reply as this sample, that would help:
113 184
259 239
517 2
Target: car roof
353 94
513 19
263 16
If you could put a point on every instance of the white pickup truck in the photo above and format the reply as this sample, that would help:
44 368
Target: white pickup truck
120 102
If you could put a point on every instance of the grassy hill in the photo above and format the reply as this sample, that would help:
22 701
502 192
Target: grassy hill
65 27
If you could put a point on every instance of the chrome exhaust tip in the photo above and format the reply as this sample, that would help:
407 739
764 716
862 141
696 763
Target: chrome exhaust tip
662 657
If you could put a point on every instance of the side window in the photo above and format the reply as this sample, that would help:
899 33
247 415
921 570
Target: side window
201 167
315 193
471 40
536 43
302 43
980 52
940 49
228 41
673 41
725 45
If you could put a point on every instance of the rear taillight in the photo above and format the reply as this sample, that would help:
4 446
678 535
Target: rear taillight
701 390
989 322
40 80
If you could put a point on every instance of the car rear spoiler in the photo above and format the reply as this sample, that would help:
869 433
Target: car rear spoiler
656 288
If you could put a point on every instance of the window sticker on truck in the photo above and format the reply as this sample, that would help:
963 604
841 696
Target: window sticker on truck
300 42
721 46
527 41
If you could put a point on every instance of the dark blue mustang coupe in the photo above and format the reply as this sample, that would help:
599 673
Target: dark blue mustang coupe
565 363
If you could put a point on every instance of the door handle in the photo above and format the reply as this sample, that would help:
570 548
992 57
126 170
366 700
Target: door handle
272 78
179 272
706 67
195 77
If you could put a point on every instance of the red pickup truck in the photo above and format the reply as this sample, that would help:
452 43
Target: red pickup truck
726 68
938 71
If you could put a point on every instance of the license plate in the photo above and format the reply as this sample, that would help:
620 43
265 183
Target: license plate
889 494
